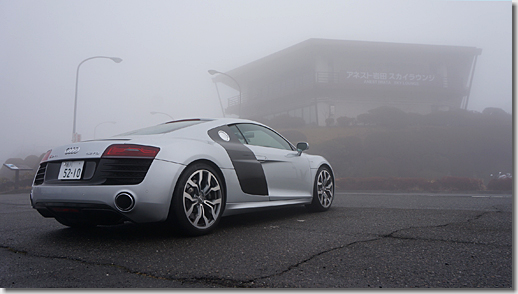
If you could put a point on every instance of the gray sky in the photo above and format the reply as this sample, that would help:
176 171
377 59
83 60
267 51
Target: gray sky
168 46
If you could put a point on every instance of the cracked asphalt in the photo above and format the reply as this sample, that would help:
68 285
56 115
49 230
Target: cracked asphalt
366 240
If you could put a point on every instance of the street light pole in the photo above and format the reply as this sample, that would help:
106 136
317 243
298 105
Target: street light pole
116 60
219 99
213 72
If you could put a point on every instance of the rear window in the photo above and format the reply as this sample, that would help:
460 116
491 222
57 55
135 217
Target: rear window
163 128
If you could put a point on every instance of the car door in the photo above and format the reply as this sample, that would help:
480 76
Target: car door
287 172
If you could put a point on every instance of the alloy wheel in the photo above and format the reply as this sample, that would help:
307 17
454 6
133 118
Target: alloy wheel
202 199
325 188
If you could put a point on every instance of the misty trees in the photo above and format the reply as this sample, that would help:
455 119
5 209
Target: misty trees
344 121
285 121
392 117
7 176
391 143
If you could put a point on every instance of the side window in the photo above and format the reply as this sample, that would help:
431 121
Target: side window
238 134
261 136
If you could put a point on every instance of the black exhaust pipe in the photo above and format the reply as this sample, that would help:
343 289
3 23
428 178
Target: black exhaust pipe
124 201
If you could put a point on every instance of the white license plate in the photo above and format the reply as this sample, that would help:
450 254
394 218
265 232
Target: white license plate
71 170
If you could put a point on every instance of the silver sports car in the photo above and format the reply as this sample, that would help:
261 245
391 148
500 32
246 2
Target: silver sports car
188 173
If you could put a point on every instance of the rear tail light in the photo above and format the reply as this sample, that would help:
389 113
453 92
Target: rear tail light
46 156
130 150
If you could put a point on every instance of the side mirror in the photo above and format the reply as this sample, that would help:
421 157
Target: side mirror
302 146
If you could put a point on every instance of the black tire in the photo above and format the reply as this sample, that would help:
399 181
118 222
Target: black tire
323 190
198 200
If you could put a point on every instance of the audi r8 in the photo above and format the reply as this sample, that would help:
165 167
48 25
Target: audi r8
187 173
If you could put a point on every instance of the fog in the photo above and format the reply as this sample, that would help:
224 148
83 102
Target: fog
168 46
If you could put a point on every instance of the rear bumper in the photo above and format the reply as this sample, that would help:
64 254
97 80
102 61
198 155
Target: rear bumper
152 197
97 214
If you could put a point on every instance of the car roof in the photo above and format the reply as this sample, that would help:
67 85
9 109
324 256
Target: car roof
214 122
182 127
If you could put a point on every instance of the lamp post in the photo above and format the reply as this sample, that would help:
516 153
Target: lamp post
157 112
213 72
106 122
219 99
116 60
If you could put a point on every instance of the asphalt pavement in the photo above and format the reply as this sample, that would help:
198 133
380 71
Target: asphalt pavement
366 240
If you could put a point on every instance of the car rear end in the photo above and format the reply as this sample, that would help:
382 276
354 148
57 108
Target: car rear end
103 183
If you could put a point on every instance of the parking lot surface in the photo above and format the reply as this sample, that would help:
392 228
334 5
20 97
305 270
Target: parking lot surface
366 240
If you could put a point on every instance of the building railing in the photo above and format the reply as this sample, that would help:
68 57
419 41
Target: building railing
233 101
327 77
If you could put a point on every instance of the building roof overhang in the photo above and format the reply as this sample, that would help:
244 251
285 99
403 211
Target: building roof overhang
304 53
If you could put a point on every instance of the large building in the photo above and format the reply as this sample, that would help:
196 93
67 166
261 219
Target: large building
320 78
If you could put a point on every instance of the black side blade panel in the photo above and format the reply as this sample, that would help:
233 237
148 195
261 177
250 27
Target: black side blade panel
249 171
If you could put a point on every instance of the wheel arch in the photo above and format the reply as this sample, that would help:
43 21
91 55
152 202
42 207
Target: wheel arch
325 164
197 161
214 166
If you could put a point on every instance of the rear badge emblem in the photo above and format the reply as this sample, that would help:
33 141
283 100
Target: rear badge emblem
224 136
71 150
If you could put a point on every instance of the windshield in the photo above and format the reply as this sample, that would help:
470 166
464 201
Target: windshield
163 128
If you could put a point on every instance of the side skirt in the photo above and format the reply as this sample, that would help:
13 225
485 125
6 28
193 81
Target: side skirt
237 208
